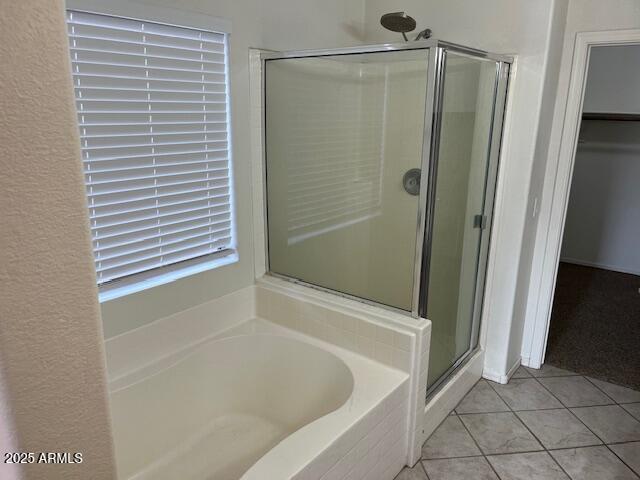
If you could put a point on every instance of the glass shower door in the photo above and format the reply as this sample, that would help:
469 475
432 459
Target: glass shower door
341 133
463 172
344 133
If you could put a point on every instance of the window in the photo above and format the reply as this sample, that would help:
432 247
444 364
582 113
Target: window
152 104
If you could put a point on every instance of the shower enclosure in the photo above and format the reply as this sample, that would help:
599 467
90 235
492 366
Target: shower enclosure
380 165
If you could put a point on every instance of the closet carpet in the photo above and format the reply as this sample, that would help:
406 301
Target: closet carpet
595 324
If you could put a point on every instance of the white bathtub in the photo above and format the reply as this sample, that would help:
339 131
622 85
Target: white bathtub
260 402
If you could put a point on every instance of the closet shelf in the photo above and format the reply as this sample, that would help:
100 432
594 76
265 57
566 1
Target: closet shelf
618 117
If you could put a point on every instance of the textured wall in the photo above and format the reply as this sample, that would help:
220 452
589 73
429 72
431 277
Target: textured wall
51 351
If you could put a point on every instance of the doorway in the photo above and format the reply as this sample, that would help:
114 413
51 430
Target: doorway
594 326
588 303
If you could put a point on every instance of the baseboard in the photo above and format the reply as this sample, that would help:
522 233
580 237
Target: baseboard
529 362
441 404
602 266
502 378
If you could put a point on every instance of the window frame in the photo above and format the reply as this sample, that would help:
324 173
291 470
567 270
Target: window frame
157 276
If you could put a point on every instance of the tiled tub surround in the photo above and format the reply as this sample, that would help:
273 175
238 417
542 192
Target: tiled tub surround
390 338
544 424
370 436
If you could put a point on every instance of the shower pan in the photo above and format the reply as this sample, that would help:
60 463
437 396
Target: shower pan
380 170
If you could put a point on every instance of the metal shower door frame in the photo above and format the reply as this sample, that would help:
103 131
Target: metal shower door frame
500 92
436 52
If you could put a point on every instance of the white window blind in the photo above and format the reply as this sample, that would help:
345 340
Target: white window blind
152 104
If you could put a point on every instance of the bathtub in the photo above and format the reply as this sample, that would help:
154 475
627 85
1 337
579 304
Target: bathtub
258 402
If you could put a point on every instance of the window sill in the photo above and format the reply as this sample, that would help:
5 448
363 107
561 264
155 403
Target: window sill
168 274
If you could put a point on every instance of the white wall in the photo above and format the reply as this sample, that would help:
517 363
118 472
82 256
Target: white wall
530 30
273 24
543 144
603 218
582 16
612 83
53 395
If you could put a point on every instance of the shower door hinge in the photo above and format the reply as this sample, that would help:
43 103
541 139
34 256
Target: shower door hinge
480 221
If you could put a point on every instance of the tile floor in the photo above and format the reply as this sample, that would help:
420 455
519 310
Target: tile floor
547 424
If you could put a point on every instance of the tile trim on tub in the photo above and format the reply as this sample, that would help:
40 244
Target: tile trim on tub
337 324
362 449
379 334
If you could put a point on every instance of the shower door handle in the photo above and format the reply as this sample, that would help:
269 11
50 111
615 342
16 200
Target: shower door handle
480 221
411 181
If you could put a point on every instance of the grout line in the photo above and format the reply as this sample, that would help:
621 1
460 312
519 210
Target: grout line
578 418
632 415
455 457
600 390
480 449
558 464
474 440
587 427
531 432
544 448
623 443
552 394
595 405
424 469
467 414
572 374
520 410
434 431
500 396
620 458
605 393
585 446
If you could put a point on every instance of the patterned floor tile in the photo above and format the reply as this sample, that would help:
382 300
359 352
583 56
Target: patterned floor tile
476 468
521 372
592 463
629 453
526 394
482 399
549 371
500 433
618 393
558 429
611 423
541 439
450 439
575 391
633 409
527 466
415 473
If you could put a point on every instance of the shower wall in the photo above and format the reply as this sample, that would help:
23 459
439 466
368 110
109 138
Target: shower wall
341 134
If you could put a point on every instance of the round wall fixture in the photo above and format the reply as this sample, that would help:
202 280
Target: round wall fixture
411 181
